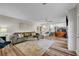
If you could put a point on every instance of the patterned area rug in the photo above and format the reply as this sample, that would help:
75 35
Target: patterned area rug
34 48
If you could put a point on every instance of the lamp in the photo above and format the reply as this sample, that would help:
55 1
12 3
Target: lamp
3 30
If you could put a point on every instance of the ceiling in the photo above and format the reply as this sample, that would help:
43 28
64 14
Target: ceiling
35 11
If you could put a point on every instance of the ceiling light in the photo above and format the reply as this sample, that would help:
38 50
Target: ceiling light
51 26
44 26
44 3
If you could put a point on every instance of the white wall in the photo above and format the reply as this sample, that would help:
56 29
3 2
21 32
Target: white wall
78 32
13 28
10 23
72 29
26 27
78 27
15 25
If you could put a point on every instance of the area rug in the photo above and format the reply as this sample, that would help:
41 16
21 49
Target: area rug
34 48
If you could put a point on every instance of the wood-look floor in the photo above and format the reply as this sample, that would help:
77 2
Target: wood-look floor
58 49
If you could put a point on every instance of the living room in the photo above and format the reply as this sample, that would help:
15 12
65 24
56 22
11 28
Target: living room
22 25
